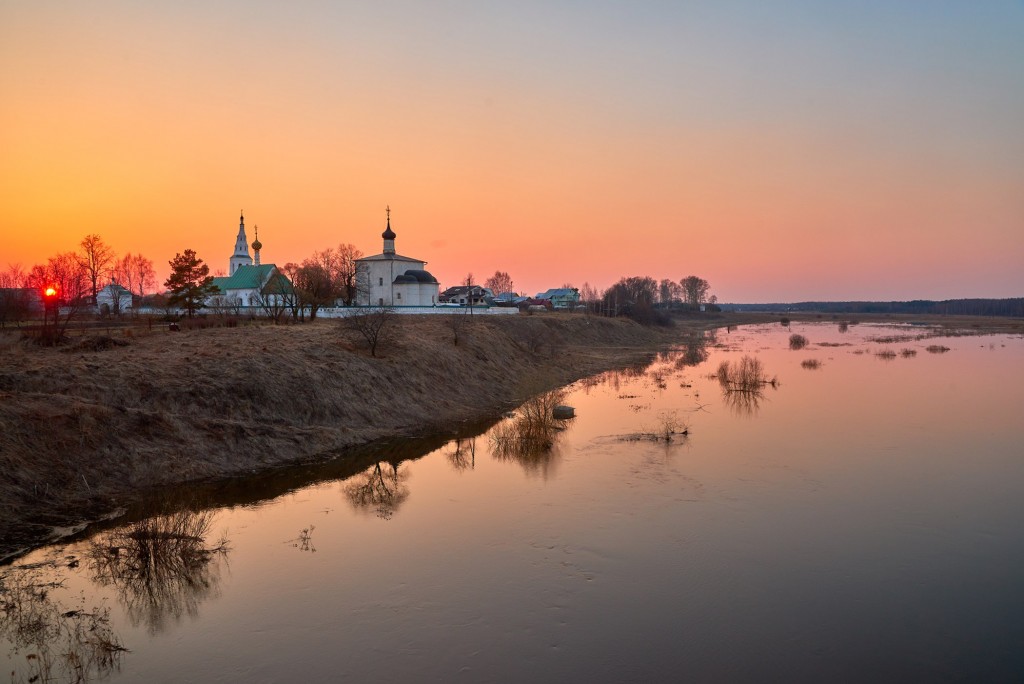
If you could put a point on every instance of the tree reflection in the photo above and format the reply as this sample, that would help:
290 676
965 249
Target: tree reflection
694 350
58 642
462 455
162 567
743 385
530 437
382 489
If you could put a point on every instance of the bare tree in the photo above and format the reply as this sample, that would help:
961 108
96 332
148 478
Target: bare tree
590 296
695 290
458 322
500 282
96 258
314 285
669 291
137 273
276 296
345 273
16 299
373 324
66 277
468 281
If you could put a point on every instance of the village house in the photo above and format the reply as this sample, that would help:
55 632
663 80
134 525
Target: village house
390 279
467 295
113 299
561 298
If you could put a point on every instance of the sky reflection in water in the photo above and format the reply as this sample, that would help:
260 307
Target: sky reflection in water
855 520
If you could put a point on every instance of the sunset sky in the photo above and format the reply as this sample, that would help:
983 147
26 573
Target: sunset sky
784 151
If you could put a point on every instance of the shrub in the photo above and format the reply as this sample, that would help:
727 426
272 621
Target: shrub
797 341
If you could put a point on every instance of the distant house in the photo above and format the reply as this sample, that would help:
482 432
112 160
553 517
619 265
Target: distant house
534 304
561 298
113 299
467 295
508 299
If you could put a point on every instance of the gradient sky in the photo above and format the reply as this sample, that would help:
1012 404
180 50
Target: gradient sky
784 151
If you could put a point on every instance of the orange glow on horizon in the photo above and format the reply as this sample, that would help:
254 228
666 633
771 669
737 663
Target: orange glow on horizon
561 149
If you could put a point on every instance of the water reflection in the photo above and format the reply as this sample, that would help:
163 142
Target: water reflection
162 568
380 487
743 385
529 438
462 454
694 350
57 642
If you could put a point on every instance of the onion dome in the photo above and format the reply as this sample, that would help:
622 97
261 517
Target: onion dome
256 244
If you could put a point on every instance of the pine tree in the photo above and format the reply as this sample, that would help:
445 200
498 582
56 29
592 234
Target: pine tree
190 282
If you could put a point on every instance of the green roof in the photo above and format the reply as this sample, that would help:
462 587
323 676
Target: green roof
245 278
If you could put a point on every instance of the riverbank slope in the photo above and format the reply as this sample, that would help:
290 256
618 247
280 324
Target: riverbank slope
101 422
97 423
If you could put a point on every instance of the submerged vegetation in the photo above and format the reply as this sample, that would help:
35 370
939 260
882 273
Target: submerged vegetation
529 436
797 341
743 384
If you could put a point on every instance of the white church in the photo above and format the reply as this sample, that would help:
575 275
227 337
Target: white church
390 279
250 283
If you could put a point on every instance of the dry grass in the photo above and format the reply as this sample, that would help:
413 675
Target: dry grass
797 341
936 349
811 364
85 428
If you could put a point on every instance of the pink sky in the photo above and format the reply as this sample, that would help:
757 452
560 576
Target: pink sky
856 152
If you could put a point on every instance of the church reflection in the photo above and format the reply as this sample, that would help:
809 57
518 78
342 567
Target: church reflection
162 568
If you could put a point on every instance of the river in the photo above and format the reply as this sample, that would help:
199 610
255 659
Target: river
849 511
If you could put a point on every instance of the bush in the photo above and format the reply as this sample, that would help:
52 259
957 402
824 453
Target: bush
797 341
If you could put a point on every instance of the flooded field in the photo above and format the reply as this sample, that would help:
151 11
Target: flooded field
819 502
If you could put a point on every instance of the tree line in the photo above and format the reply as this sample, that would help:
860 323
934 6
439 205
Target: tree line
1013 307
75 275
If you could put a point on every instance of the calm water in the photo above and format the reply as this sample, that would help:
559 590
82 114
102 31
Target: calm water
860 520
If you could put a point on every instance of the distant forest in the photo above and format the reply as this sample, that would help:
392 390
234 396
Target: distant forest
955 307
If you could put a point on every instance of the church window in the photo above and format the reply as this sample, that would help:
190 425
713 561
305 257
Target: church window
380 301
381 283
399 295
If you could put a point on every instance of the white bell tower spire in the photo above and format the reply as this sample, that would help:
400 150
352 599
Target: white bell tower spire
241 256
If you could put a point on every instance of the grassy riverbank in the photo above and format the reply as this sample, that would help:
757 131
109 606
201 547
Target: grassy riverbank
103 421
93 425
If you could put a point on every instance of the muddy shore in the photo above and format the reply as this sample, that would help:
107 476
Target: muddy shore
96 425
